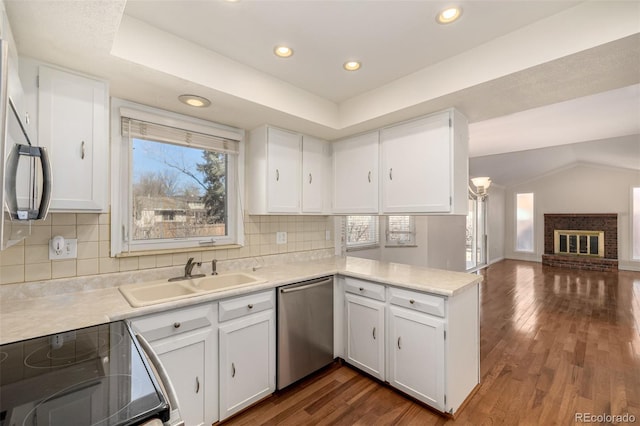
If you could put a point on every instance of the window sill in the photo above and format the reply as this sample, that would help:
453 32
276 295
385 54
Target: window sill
177 250
348 249
400 246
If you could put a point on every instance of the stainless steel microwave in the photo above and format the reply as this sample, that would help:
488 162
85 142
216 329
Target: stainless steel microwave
25 172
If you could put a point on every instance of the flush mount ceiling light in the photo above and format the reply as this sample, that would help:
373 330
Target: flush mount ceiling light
449 15
351 65
194 101
283 51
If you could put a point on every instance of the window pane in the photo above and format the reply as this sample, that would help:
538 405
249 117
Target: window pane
361 230
400 230
636 223
524 222
178 191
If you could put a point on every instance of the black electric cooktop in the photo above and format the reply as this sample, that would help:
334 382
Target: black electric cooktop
90 376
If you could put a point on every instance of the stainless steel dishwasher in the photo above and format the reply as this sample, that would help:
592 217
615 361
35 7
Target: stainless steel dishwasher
305 329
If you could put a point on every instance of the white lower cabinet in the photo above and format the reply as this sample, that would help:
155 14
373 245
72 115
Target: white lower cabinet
186 342
431 341
247 351
416 355
365 334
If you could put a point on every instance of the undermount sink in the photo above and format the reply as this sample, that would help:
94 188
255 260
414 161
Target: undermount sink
144 294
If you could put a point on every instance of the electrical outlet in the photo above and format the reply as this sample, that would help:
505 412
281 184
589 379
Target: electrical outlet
69 250
327 235
281 238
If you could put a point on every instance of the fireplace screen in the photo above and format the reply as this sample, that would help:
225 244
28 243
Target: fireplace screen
581 243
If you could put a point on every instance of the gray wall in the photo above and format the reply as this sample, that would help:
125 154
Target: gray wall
440 244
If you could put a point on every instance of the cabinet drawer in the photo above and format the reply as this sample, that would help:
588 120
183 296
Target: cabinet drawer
158 326
422 302
245 305
364 288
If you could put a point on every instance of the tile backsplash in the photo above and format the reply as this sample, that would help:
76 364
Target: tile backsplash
29 260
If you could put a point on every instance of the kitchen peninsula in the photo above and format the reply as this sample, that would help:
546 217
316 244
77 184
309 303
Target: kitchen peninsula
442 303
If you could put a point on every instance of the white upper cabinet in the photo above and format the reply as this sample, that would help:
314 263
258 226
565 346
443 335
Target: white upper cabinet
273 171
425 165
286 172
73 126
355 174
316 157
283 171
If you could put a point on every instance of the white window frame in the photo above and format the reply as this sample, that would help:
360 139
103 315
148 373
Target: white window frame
412 233
635 225
121 184
533 224
366 245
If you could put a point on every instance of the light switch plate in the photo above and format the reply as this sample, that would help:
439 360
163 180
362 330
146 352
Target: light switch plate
69 251
281 238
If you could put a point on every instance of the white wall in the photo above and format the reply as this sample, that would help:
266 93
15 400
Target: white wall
495 223
581 188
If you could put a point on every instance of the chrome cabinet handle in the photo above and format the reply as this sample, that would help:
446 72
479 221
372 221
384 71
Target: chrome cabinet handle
82 151
391 173
277 175
369 176
197 384
233 370
250 306
399 347
176 325
374 333
310 178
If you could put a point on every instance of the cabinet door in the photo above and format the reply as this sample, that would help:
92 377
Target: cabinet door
416 166
283 174
247 361
72 125
416 354
365 334
190 363
315 165
355 174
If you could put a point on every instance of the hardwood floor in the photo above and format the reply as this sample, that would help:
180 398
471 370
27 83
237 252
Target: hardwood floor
554 342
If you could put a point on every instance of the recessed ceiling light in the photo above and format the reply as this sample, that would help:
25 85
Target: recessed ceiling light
283 51
194 101
352 65
449 15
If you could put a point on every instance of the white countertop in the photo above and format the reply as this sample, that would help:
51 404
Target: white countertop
28 317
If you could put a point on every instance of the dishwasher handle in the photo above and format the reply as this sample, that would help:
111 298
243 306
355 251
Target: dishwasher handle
164 376
290 289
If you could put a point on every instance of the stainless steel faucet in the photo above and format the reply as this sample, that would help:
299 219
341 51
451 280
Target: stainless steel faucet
189 267
187 271
214 264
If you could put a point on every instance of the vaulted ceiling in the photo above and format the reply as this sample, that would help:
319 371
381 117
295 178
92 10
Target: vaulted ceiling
527 74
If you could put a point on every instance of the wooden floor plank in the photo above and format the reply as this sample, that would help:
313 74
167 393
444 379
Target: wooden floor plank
554 342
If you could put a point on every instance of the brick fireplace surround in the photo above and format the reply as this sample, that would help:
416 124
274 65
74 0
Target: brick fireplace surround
607 222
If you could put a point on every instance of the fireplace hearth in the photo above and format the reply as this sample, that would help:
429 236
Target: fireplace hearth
581 241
